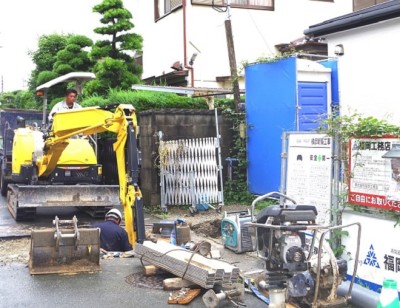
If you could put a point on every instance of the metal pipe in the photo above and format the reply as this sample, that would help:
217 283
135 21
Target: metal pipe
44 109
317 282
94 138
221 197
185 63
284 156
335 189
360 296
266 196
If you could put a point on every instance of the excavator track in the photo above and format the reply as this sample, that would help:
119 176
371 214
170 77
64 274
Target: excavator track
19 214
96 200
96 212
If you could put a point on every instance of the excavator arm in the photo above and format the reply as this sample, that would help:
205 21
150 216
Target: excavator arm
91 120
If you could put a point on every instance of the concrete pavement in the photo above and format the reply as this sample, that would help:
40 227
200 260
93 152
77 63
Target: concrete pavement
108 288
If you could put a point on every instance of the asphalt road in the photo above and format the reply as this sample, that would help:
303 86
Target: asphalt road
111 287
107 288
9 228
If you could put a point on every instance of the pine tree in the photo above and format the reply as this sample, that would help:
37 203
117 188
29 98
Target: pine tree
115 63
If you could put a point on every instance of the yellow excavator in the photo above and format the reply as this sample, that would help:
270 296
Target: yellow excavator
57 166
75 178
78 250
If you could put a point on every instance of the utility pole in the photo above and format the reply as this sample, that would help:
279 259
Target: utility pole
232 57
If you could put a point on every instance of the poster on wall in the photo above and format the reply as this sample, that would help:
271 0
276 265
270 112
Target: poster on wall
309 172
378 259
375 173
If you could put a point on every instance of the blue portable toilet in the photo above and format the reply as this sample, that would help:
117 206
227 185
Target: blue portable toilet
290 94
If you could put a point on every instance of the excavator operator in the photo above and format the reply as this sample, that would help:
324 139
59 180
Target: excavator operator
68 103
112 236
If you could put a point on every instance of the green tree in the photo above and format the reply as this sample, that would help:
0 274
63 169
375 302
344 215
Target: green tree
115 67
7 100
25 99
74 57
45 57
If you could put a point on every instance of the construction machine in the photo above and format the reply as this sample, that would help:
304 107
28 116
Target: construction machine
300 266
78 250
37 173
8 123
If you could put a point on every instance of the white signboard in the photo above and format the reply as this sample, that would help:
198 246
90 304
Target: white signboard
309 172
374 180
379 250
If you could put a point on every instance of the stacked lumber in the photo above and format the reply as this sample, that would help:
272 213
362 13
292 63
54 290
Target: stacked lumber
196 268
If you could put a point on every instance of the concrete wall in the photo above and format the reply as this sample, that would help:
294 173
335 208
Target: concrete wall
255 33
174 124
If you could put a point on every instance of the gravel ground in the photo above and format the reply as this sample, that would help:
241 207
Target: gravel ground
14 251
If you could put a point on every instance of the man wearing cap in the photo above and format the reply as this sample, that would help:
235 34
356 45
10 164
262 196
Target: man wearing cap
112 236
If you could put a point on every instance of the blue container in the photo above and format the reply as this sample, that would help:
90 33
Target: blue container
270 111
283 96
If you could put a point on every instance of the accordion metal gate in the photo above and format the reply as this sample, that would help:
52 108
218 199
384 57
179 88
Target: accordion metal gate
189 172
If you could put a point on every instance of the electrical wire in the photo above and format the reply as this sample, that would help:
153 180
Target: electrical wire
259 32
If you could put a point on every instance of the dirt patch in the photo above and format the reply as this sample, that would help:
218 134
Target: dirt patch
14 251
209 228
204 223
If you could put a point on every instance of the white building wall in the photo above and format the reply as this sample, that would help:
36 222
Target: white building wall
255 34
368 70
162 41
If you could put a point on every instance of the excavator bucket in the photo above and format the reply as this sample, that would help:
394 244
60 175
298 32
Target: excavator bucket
64 250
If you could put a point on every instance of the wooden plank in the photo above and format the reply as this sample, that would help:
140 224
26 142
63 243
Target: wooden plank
177 284
151 270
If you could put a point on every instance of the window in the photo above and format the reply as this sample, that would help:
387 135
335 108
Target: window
164 7
169 5
362 4
247 4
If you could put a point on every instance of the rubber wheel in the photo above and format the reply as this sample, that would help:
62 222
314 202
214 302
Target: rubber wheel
3 185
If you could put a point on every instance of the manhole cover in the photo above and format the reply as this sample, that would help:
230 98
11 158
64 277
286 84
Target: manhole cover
150 282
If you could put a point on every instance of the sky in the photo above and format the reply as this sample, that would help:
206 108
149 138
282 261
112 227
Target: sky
22 22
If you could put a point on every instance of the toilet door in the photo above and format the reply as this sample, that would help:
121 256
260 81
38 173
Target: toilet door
313 105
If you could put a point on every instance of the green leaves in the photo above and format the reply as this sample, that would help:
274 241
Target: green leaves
144 100
355 125
115 68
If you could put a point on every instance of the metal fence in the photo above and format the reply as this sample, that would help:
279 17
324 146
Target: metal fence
189 171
